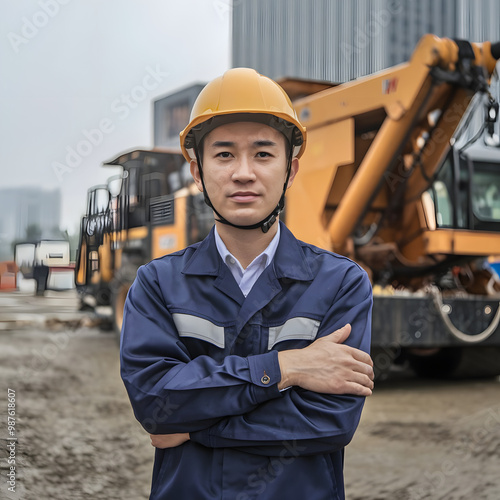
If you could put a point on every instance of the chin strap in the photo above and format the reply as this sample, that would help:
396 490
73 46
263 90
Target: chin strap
266 223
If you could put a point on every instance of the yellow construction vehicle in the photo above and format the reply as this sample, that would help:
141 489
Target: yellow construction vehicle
150 210
387 180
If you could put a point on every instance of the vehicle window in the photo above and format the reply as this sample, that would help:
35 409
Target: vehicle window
486 193
442 200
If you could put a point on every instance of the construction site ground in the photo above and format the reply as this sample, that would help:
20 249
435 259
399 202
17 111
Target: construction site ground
76 437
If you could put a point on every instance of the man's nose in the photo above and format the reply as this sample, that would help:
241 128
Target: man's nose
243 170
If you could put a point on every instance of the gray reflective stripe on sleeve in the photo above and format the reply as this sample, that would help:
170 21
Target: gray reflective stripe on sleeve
294 328
199 328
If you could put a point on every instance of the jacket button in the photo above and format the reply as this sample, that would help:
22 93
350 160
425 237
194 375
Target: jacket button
265 379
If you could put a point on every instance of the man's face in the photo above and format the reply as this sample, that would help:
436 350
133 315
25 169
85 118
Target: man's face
244 169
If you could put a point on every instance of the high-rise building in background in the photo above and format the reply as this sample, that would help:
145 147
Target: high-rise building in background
27 214
171 115
339 40
334 41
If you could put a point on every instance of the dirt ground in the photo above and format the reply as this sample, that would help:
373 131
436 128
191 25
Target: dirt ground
77 437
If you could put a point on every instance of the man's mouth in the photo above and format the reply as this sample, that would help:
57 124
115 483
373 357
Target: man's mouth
244 196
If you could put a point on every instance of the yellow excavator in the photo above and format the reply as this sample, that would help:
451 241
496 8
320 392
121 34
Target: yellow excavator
389 178
148 211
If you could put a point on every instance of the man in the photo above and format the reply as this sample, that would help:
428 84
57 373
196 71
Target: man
245 355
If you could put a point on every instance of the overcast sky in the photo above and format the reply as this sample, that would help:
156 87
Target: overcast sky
84 72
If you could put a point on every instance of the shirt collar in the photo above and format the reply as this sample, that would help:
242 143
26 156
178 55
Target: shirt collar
289 261
267 255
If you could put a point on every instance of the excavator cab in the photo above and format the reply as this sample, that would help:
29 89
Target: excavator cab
483 163
466 191
158 210
399 176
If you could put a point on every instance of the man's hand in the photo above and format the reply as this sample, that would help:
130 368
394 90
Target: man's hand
327 366
168 440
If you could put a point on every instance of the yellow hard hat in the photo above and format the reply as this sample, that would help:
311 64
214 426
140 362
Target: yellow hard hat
242 94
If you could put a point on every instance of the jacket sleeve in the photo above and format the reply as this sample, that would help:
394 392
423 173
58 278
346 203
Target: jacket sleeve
170 392
303 422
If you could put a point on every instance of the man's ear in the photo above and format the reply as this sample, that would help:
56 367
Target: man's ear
195 172
294 168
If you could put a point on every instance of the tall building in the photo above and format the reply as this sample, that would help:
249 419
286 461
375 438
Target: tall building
332 40
27 212
339 40
171 115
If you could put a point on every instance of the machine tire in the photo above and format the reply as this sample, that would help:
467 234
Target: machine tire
458 363
103 296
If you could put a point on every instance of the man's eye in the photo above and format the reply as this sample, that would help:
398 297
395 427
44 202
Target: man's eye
224 154
263 154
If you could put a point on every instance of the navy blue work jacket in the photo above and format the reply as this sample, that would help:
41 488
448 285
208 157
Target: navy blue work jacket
199 357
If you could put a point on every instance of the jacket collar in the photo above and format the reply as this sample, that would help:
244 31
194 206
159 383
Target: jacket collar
289 260
206 260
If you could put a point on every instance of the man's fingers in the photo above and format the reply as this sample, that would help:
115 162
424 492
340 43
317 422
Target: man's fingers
362 379
153 440
340 335
359 355
362 370
357 389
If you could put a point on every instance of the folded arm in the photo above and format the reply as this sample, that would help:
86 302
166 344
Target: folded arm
330 379
171 393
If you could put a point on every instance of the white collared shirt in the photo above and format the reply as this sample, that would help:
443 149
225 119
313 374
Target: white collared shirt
246 278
